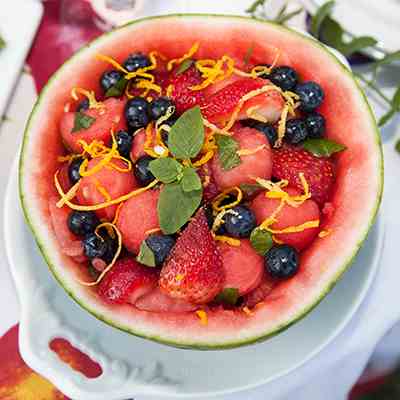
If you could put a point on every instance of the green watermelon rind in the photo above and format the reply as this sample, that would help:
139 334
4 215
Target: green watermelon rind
196 345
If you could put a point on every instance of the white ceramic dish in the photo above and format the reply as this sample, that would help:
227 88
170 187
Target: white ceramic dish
19 20
134 366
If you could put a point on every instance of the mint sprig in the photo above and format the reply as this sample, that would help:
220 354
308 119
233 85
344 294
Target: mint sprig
146 255
182 191
322 147
261 240
118 89
228 296
82 121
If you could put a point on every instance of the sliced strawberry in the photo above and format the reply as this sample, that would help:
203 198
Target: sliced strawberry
184 97
111 116
137 216
218 107
127 280
263 208
243 267
116 184
254 165
260 292
158 301
210 188
70 244
290 161
193 272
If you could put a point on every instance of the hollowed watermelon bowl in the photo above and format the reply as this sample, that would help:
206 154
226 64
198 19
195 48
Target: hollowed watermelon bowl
356 198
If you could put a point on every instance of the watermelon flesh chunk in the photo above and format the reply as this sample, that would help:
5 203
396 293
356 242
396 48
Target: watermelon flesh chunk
355 198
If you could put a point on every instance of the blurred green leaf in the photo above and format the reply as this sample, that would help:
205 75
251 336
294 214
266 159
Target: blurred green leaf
318 18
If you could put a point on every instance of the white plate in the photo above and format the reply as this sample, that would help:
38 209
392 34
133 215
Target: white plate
19 20
133 366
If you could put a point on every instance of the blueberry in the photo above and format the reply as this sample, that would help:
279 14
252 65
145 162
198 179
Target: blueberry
124 142
311 95
284 77
267 129
82 222
73 170
282 261
315 124
83 105
109 79
137 113
142 171
296 130
158 107
239 222
160 245
96 247
136 61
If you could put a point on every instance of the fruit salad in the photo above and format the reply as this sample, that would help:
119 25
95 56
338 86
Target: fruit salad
188 184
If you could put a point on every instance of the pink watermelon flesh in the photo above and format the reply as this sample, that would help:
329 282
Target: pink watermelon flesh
243 267
111 116
137 216
258 164
355 199
158 301
261 292
263 208
115 182
138 145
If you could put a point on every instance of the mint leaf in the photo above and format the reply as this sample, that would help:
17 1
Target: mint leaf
331 33
190 180
82 121
261 240
386 117
388 59
283 16
175 206
228 296
253 7
357 44
318 18
165 170
322 147
118 89
146 256
186 137
397 146
185 65
227 152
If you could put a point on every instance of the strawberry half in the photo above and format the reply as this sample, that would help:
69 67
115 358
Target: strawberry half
127 281
183 97
193 271
290 161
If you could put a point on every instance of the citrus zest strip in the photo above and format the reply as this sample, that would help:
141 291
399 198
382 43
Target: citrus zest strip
248 152
202 316
223 195
186 56
69 195
116 255
325 233
296 228
112 202
90 95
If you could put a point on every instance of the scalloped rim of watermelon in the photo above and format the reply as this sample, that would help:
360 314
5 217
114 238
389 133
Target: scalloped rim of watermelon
121 317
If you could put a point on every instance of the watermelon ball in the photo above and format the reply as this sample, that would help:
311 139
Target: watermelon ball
311 95
282 261
124 142
296 130
316 125
158 107
266 128
73 170
83 105
142 171
239 222
82 223
109 78
284 77
161 246
137 113
136 61
96 247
